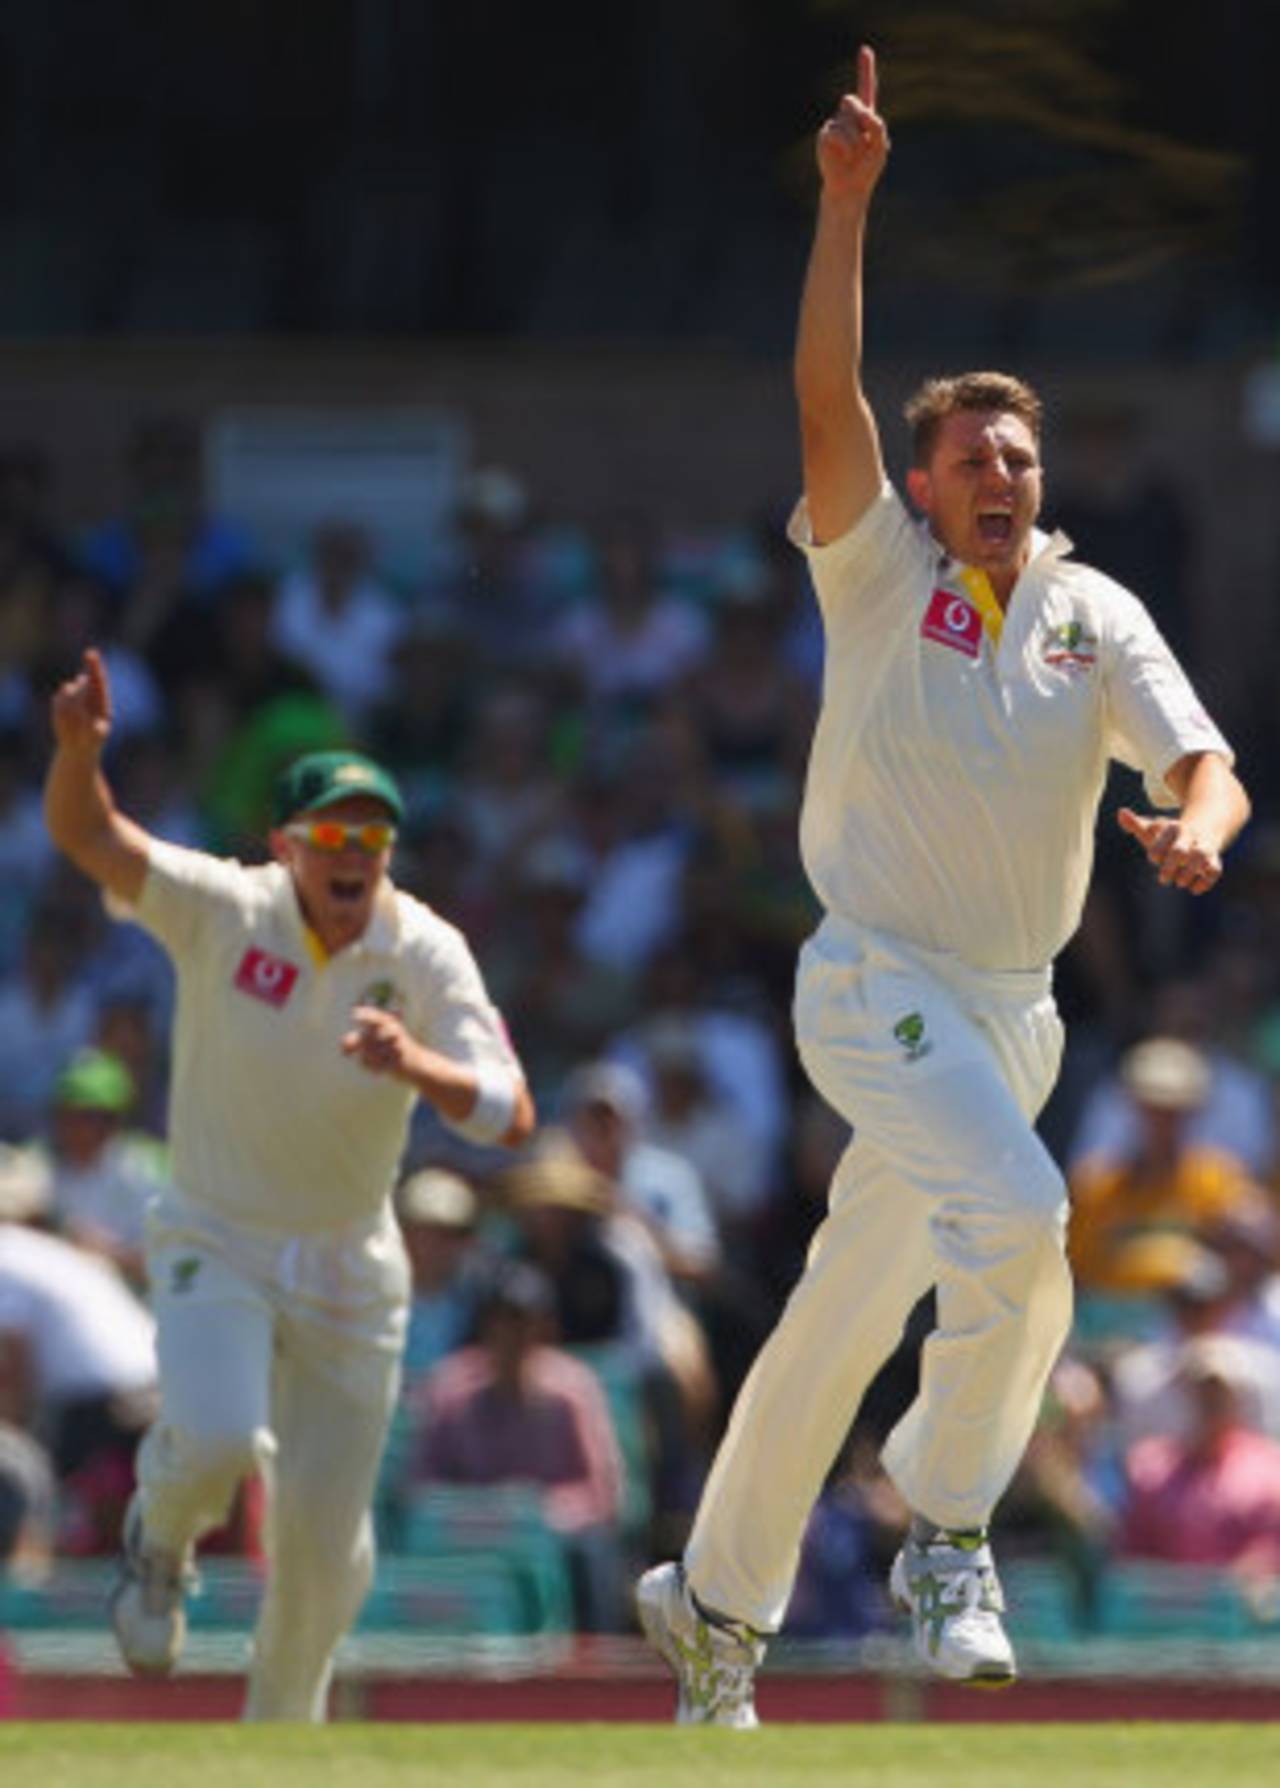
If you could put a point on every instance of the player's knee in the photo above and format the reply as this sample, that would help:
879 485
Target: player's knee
1034 1203
1020 1214
1048 1208
1036 1232
221 1457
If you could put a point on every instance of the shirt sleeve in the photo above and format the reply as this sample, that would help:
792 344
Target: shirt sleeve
461 1021
866 577
182 890
1153 714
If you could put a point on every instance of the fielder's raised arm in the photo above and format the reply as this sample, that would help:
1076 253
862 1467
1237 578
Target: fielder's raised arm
843 469
80 811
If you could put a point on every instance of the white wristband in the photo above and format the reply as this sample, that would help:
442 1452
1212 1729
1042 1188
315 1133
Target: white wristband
490 1117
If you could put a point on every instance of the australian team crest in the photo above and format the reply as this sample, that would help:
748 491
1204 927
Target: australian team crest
909 1034
1071 647
385 996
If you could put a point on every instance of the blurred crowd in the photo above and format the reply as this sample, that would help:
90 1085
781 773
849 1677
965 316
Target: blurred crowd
601 730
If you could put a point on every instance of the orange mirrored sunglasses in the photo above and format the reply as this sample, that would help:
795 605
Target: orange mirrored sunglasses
373 837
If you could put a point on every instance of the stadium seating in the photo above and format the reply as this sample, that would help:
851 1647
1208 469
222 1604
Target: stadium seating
619 1378
497 1532
1136 1601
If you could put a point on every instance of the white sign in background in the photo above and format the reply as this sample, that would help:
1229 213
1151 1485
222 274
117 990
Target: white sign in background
398 473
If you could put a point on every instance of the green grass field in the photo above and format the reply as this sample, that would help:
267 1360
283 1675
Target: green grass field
537 1756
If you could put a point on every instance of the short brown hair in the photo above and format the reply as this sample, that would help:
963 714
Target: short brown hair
939 398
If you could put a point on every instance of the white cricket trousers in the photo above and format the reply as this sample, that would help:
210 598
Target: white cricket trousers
278 1355
941 1069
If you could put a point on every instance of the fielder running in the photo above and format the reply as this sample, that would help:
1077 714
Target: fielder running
315 1003
978 681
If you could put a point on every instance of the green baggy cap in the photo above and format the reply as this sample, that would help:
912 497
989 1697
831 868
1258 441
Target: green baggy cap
94 1080
323 777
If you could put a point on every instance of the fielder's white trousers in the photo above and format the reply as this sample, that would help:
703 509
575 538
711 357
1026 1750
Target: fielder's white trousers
279 1355
941 1069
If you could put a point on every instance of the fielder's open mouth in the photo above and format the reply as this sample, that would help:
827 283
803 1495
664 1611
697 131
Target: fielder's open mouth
995 526
342 889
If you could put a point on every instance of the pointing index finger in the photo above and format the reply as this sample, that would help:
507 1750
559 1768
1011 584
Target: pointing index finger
95 672
867 76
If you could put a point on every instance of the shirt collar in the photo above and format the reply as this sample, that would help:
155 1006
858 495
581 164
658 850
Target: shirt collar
1043 546
1050 546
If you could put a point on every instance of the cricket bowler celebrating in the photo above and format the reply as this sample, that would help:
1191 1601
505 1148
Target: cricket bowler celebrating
978 681
315 1002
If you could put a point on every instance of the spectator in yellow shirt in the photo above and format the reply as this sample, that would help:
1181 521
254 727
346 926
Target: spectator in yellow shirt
1169 1184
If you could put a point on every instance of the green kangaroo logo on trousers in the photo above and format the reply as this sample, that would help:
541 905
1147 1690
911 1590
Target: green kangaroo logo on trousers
909 1032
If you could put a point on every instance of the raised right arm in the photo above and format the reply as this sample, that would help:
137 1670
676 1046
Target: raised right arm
79 809
843 469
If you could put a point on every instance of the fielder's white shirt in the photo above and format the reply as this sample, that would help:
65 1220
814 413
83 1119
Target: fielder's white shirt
270 1124
954 780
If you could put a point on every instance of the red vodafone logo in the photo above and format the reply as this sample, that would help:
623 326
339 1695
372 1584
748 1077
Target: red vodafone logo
956 615
265 977
953 621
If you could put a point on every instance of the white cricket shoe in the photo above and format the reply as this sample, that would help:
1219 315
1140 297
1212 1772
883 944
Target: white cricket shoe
955 1602
714 1666
147 1604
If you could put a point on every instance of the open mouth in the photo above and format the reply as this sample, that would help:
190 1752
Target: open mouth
346 888
995 527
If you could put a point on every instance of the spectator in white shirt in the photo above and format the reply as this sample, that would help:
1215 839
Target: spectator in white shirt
634 642
337 621
103 1177
604 1108
687 1116
77 1349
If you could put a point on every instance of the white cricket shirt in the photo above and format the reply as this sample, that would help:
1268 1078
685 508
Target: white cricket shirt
270 1124
954 780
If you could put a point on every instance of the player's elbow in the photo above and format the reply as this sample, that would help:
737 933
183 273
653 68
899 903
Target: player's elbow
827 418
1206 782
114 854
80 841
1244 806
524 1120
